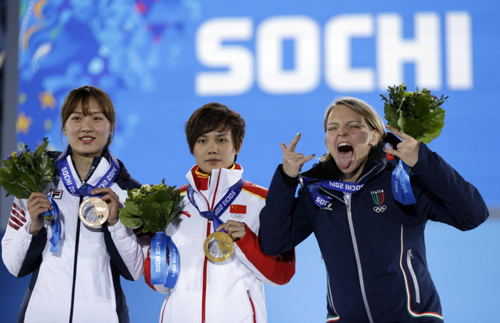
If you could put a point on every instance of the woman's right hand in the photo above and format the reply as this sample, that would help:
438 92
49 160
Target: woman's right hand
292 161
38 203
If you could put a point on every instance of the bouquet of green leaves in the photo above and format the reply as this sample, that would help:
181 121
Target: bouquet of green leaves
418 114
151 206
25 172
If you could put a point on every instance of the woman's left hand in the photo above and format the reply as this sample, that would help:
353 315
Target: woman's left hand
235 229
407 149
110 197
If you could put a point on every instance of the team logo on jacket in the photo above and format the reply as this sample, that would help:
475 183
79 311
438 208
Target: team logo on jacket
378 198
238 211
56 194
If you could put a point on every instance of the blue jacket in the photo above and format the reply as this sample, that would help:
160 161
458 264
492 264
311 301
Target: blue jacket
372 245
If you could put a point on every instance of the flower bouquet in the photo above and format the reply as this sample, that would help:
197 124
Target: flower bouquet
25 172
153 207
418 114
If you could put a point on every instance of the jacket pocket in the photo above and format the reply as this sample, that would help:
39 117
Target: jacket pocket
409 257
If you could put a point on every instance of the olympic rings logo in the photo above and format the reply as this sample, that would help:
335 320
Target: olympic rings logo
237 216
379 208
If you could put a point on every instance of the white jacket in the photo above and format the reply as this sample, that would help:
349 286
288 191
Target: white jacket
231 291
80 280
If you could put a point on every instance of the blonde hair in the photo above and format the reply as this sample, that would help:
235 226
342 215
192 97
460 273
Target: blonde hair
363 109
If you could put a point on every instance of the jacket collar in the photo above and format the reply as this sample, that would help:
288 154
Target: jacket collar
99 167
220 179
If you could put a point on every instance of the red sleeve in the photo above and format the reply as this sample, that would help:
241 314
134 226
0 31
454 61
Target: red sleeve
147 271
278 269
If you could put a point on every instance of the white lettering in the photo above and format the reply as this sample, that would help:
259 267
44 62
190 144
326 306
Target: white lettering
335 184
339 74
459 51
303 77
424 50
321 201
224 47
235 62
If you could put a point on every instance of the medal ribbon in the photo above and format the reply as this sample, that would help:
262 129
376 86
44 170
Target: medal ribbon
221 207
401 186
55 223
84 190
69 181
163 273
322 201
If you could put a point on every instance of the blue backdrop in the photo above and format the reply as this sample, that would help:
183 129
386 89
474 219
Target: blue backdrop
279 64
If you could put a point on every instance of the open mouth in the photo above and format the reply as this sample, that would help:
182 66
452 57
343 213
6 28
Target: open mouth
344 155
344 147
86 139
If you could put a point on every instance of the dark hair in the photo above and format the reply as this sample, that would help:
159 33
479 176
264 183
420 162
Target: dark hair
215 116
82 96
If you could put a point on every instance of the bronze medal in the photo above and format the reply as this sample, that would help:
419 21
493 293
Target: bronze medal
218 246
93 212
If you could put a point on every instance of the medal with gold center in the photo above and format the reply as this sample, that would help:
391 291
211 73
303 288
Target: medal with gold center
218 246
93 212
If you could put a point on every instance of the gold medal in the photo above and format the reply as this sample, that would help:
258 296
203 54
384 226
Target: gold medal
93 212
218 246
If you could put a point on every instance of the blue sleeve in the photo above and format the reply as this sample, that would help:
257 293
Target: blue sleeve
33 257
285 220
446 196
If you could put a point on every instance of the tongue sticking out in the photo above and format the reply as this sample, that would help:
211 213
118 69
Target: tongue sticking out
344 156
344 159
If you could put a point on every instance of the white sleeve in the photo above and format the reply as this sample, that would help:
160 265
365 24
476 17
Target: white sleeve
17 239
129 248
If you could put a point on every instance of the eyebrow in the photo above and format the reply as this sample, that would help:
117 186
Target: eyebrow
91 112
348 122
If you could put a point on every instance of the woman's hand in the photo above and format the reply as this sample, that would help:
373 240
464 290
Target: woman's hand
38 203
234 228
292 161
407 150
110 197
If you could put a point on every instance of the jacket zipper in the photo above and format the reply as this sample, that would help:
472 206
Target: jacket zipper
75 263
409 257
204 290
205 261
252 305
358 261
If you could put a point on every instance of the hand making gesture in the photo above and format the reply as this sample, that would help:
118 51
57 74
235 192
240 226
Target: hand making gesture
406 150
292 161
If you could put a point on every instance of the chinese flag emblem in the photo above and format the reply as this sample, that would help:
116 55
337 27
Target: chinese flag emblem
240 209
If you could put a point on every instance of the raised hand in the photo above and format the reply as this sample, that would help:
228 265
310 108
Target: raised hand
38 203
407 149
292 161
113 201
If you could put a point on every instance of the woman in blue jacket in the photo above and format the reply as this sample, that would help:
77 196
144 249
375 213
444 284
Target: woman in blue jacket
373 246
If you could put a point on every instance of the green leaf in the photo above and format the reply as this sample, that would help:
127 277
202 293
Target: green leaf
413 128
422 106
167 208
391 114
132 207
41 149
418 113
130 222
